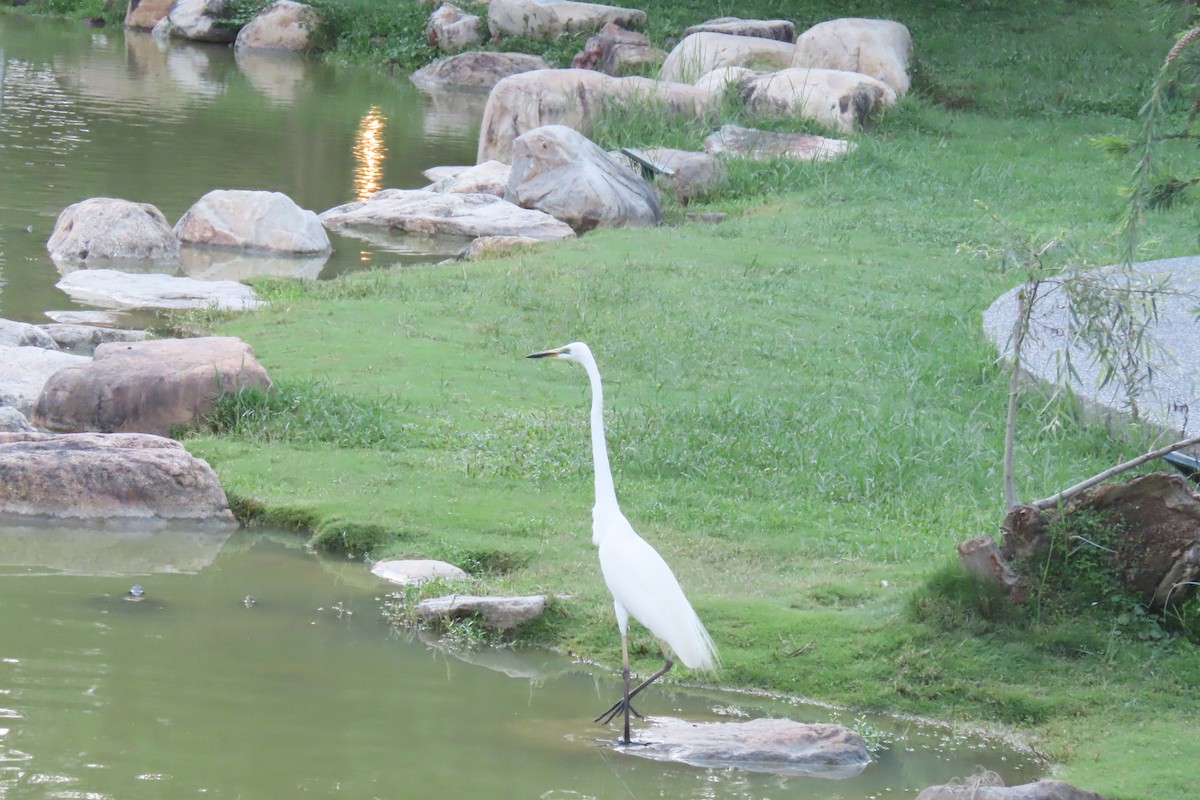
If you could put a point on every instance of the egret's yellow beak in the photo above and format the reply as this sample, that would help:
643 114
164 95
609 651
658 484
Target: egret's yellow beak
546 353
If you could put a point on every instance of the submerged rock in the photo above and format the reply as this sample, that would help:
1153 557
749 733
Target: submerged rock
779 746
112 288
106 229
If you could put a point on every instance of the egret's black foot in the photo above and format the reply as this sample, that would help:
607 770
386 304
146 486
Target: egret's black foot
617 708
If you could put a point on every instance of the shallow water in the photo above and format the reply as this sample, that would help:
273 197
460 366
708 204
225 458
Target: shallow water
192 693
104 113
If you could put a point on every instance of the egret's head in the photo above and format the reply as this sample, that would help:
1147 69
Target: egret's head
575 351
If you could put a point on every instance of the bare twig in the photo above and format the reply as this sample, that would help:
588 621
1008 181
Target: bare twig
1067 494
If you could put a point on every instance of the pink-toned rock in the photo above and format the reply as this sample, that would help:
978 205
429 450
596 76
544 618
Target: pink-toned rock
145 14
474 70
701 53
106 229
283 25
781 30
147 387
616 51
547 19
766 145
252 219
451 29
101 476
444 214
490 177
879 48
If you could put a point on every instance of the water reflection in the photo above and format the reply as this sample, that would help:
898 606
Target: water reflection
369 153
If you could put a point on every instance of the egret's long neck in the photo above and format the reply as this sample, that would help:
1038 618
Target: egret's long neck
605 493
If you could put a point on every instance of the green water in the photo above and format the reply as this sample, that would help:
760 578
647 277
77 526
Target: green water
102 113
309 692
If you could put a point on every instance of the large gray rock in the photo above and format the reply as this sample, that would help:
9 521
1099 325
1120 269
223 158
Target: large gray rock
22 334
490 177
445 214
500 614
879 48
474 70
450 29
147 387
489 246
252 219
113 289
283 25
988 786
701 53
781 30
767 145
547 19
842 100
690 175
25 370
82 340
779 746
105 229
570 97
561 172
200 21
99 476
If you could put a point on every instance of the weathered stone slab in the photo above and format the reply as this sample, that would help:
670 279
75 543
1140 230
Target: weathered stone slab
701 53
988 786
490 177
778 746
82 340
691 174
842 100
25 370
104 476
616 51
147 387
498 613
781 30
113 289
766 145
451 29
546 19
106 229
406 572
445 214
489 246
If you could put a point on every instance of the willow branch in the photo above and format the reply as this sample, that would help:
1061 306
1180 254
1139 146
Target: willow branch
1067 494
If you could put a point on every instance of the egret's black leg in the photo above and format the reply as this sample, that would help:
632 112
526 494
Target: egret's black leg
624 703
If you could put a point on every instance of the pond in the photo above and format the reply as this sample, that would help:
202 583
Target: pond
307 690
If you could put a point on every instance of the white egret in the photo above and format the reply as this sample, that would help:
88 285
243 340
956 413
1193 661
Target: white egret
639 579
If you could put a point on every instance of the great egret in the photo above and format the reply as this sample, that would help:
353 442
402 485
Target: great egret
640 581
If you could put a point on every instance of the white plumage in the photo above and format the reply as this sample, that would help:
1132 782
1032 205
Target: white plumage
641 583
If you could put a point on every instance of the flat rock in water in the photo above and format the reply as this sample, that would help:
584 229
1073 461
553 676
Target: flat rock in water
778 746
84 339
498 613
413 571
114 289
988 786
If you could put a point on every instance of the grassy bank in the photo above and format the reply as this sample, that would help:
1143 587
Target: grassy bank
803 416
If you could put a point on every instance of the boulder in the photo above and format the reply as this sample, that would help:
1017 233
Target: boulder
445 214
563 173
489 246
451 29
779 746
82 340
767 145
13 421
722 79
989 786
841 100
97 476
691 174
490 177
252 219
25 370
283 25
879 48
548 19
113 289
616 51
105 229
522 102
22 334
781 30
701 53
407 572
200 21
500 614
145 14
147 387
474 70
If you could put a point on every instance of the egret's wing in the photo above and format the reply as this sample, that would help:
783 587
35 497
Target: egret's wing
641 581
